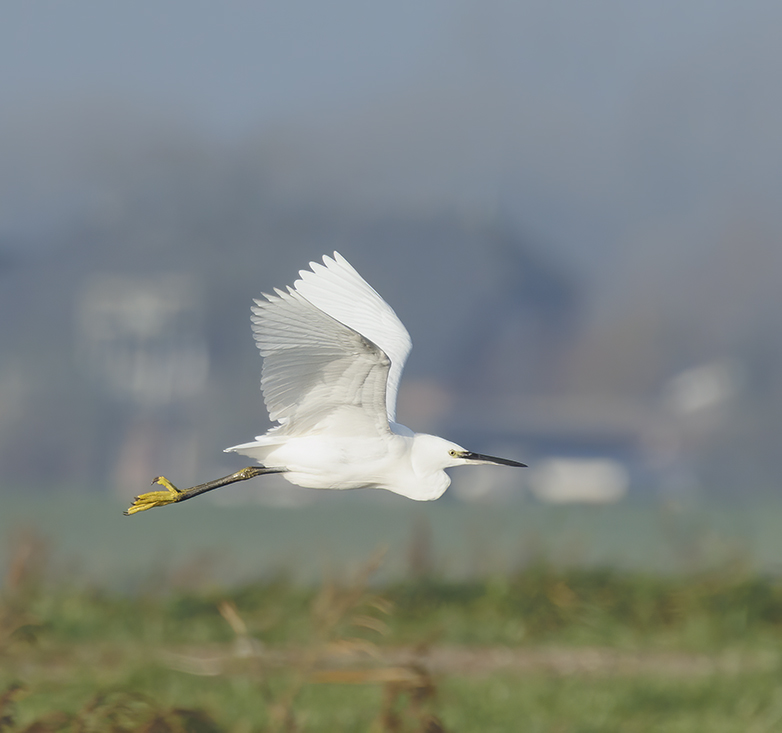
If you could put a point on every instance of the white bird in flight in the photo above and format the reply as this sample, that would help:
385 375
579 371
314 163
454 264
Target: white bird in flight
333 352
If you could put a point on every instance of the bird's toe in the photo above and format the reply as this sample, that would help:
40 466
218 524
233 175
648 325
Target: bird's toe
152 499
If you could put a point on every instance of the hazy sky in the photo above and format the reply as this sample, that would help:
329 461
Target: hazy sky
225 64
581 113
230 65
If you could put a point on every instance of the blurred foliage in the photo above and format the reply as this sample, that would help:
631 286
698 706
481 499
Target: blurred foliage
561 648
541 604
545 603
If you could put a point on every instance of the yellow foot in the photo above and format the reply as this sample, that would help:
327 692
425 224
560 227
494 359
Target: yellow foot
155 498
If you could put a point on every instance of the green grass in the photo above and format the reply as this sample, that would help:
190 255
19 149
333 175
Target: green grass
500 702
595 650
541 605
521 618
578 704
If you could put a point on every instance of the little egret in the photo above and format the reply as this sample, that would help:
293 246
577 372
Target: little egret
333 352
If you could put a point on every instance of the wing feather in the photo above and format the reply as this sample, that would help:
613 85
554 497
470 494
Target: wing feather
338 290
318 373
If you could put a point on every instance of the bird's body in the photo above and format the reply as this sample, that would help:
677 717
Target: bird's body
333 352
398 463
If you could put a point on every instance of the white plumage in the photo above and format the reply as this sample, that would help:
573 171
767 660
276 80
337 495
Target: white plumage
333 352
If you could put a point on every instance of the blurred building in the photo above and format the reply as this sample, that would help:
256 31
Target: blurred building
141 342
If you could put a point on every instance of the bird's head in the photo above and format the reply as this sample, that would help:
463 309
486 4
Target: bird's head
430 456
434 453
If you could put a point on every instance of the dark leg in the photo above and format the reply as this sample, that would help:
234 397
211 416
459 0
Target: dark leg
173 495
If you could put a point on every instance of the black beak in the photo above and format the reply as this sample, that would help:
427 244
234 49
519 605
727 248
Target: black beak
491 459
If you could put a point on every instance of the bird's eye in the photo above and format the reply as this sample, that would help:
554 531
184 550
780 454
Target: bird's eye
452 453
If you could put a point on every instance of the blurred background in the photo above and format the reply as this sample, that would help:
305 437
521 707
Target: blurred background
573 207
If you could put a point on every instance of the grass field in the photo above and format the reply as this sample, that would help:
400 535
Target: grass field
422 639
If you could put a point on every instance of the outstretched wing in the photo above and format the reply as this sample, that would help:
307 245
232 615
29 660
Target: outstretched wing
338 290
318 374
